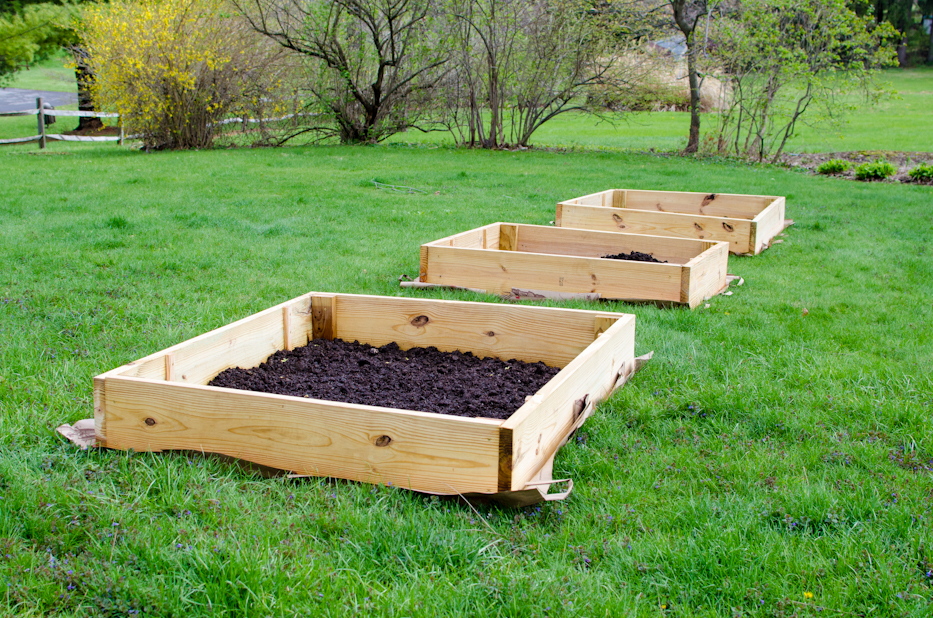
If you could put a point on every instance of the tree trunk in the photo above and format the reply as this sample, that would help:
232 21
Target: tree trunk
902 53
693 141
687 25
84 77
930 51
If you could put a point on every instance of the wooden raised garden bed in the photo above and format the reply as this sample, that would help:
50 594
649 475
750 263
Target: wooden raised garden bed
161 402
503 258
747 222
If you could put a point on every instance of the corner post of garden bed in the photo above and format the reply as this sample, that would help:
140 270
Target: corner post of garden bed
323 315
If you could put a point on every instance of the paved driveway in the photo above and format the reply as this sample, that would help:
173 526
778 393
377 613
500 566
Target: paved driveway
15 99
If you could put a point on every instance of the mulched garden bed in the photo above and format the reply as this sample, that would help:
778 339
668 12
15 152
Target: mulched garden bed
635 256
424 379
903 161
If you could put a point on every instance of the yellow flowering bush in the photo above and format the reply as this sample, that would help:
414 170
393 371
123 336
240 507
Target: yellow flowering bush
174 68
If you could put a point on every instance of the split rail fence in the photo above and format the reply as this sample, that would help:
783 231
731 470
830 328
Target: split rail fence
42 136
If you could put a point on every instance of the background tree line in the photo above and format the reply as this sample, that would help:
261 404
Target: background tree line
490 72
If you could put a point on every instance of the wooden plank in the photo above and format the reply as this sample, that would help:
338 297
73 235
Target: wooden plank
734 231
708 204
423 263
767 225
619 199
705 275
286 328
170 367
603 198
543 423
601 325
41 118
244 343
549 334
492 236
596 244
471 239
100 410
323 316
424 452
20 140
508 237
499 271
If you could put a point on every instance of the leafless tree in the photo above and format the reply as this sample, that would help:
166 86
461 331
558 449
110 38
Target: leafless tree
520 63
372 63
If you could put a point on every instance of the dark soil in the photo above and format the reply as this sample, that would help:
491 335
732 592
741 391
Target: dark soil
635 256
424 379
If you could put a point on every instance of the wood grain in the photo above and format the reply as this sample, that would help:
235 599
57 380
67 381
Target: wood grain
768 224
424 452
591 243
553 335
244 343
712 216
543 423
499 271
323 315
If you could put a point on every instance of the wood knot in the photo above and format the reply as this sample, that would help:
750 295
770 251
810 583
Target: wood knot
727 227
698 227
383 441
420 321
619 223
490 333
150 421
709 198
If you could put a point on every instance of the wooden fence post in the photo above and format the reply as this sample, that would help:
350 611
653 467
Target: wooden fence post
41 117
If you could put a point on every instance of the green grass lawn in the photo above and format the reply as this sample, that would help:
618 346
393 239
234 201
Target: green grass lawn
54 74
770 461
899 123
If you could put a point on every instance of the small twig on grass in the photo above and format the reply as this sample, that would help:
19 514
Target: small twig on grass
397 188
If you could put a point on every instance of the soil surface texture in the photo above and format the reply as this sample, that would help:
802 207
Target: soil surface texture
424 379
635 256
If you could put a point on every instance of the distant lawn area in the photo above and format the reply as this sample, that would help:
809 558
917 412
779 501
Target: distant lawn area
898 124
775 458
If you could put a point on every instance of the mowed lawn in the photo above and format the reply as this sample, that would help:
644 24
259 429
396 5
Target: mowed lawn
899 122
774 459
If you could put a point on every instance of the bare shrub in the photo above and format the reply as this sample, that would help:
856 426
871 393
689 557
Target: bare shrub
371 64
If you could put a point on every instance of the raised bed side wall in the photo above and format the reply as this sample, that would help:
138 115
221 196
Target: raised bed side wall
161 402
502 256
746 222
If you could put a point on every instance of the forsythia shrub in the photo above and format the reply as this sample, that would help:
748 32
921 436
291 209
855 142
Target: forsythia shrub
173 68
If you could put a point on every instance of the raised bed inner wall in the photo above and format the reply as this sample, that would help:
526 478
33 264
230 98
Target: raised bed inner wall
746 222
161 402
501 257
